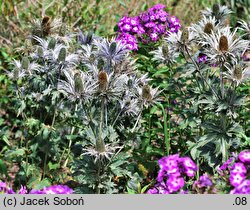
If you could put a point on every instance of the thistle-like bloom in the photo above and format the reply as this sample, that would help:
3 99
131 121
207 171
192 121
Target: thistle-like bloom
177 42
54 52
204 181
111 86
205 26
149 95
245 26
224 46
45 27
237 73
86 38
78 85
162 55
112 51
106 154
219 12
23 68
129 106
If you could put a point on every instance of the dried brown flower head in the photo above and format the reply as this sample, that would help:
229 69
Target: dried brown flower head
146 95
208 28
223 44
184 35
238 72
103 80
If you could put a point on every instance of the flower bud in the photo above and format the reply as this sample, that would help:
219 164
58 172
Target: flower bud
25 63
100 64
216 9
52 43
40 51
46 27
184 35
78 83
238 72
45 20
146 95
89 37
165 50
92 58
62 30
62 54
112 48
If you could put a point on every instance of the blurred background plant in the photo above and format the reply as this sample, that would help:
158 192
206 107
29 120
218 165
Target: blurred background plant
169 124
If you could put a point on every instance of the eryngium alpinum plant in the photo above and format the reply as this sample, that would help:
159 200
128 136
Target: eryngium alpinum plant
96 97
213 52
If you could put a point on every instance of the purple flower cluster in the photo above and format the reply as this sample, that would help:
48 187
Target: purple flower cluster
202 58
239 172
5 189
171 175
148 26
204 181
55 189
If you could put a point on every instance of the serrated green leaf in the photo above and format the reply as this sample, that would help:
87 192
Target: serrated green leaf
3 168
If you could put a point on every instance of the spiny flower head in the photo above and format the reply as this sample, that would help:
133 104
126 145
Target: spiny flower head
238 73
224 46
204 27
218 11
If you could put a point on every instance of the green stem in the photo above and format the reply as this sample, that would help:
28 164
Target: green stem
98 191
198 70
198 172
100 145
165 129
222 84
138 118
70 141
117 116
44 164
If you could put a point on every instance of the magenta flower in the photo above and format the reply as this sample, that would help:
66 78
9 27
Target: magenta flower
225 165
204 181
238 168
37 192
58 189
202 58
5 189
172 170
152 191
236 179
126 27
243 188
148 27
23 190
244 156
154 37
55 189
175 183
169 164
